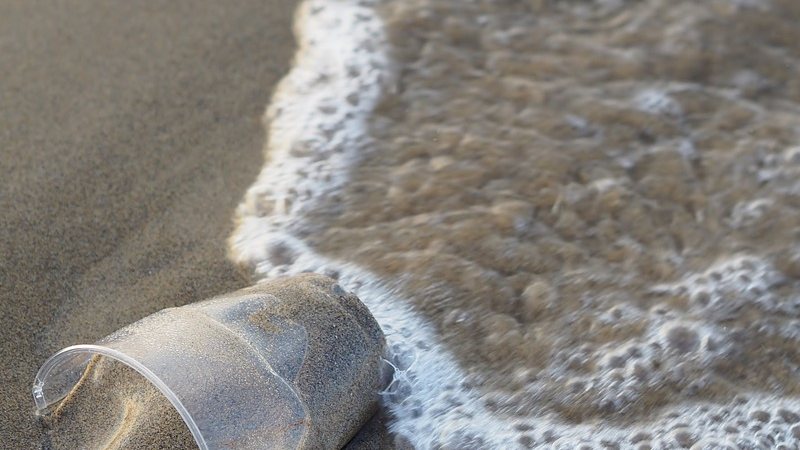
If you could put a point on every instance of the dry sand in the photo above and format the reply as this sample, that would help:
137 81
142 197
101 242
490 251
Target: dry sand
129 132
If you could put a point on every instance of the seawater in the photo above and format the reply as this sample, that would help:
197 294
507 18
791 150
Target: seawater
576 221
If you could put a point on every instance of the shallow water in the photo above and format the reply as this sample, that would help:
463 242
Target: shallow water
577 222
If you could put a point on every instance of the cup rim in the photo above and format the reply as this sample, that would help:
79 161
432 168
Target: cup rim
63 356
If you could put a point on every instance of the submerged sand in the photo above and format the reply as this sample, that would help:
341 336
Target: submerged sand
596 203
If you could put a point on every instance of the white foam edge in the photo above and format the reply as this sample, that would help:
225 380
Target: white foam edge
317 130
317 116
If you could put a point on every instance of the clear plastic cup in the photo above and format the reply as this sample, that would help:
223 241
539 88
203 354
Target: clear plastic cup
294 363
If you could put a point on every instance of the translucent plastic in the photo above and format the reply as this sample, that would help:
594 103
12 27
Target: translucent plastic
240 369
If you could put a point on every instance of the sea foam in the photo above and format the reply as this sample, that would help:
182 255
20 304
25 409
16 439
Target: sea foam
317 130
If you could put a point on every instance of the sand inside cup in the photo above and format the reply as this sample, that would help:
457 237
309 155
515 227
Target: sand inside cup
114 407
333 366
345 350
342 372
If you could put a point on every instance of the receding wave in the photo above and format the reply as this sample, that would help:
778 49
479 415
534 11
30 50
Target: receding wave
576 222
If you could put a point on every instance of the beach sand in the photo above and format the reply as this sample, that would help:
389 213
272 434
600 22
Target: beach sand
113 406
537 184
295 363
129 132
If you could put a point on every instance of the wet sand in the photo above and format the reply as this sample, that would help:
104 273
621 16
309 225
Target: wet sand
561 179
129 132
596 204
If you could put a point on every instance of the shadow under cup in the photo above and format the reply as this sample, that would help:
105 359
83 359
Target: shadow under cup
290 364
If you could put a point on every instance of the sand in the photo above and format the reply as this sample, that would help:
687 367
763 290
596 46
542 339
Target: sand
342 370
129 132
114 407
545 188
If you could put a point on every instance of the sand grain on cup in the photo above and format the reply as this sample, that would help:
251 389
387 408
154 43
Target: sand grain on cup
292 363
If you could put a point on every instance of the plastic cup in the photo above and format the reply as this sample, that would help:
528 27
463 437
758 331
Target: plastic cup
293 363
